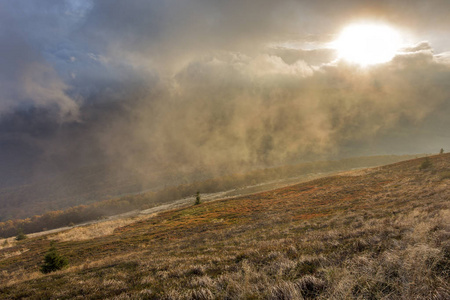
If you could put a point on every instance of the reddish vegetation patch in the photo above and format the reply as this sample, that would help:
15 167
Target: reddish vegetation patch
299 202
311 200
309 216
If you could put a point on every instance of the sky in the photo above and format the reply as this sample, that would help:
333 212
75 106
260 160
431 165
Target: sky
151 86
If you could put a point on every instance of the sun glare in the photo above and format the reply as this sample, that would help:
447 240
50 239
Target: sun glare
368 44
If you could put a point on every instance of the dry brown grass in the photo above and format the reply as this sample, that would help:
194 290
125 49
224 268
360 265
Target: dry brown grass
13 253
96 230
7 243
379 234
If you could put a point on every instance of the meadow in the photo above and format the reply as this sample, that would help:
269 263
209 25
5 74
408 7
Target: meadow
101 198
378 233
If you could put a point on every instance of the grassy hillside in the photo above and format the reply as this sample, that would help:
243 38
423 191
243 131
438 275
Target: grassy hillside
380 233
89 185
233 185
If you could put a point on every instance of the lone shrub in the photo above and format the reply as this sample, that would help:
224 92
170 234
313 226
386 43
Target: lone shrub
442 151
53 261
197 199
20 235
426 164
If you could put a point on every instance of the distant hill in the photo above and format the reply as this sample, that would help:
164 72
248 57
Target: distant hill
91 184
50 194
378 233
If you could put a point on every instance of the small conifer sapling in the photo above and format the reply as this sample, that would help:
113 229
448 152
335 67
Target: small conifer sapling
53 261
197 198
426 164
20 235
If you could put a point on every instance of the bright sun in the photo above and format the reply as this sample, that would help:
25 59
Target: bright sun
368 44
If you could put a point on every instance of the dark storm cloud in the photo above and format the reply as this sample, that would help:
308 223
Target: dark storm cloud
165 34
170 33
26 78
99 39
159 84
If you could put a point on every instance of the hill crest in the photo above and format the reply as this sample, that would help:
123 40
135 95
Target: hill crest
381 232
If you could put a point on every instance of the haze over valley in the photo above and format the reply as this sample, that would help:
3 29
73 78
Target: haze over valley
145 94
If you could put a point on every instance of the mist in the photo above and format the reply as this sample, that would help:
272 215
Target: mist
166 92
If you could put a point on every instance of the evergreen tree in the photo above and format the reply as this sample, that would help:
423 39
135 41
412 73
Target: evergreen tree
53 261
426 164
20 235
197 198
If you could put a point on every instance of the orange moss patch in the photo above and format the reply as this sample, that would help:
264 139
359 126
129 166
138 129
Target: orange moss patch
310 216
